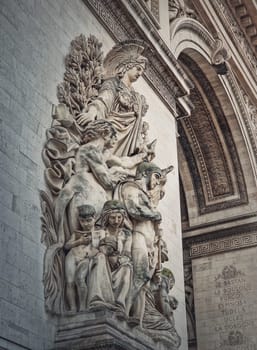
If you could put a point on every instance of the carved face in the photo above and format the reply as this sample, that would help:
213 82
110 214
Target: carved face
134 73
154 180
115 219
87 223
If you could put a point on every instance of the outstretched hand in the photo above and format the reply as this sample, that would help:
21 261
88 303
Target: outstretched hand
84 118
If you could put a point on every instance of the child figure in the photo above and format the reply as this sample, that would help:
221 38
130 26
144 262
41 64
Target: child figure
82 247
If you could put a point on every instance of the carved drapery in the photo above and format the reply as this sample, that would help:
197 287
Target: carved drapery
100 223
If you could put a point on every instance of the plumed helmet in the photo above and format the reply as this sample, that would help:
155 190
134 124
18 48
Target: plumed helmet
147 168
127 53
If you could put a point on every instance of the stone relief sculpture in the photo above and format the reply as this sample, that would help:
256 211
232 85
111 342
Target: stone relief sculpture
117 101
178 8
115 254
81 249
100 223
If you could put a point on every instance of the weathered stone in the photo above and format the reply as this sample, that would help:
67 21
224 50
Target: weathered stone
99 171
103 330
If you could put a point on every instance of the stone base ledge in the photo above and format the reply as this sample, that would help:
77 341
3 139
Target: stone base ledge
102 330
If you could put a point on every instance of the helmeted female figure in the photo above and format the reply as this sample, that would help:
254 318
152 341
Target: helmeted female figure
117 101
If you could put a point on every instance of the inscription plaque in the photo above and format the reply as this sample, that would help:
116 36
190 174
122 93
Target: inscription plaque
225 303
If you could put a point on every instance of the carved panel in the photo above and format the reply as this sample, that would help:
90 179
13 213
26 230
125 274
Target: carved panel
204 151
207 145
251 120
226 292
179 8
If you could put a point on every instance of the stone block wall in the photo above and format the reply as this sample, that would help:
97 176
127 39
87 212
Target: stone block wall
225 300
35 37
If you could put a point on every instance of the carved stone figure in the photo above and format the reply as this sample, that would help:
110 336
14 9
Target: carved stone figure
63 140
117 100
93 182
160 306
116 246
81 247
140 198
100 223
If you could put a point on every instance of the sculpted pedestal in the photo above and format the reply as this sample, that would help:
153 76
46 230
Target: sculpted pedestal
103 330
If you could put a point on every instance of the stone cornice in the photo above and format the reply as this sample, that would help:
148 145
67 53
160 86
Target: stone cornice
219 18
210 229
245 13
128 20
150 14
238 34
223 18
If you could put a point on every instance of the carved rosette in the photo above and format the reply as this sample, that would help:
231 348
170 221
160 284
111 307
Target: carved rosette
100 223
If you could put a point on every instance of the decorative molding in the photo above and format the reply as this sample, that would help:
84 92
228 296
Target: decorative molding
248 111
193 26
155 4
207 229
221 185
231 25
243 10
223 245
214 187
251 121
152 12
122 26
252 113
